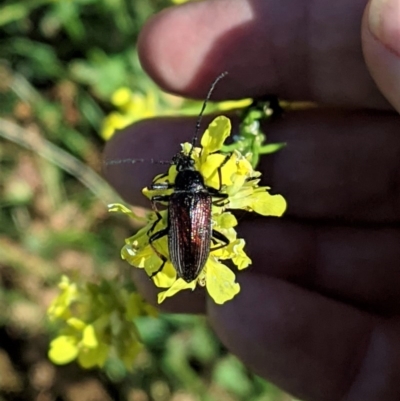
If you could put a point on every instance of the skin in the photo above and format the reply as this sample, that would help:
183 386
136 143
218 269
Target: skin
318 312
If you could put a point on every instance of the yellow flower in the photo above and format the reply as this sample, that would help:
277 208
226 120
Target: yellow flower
96 321
232 175
132 106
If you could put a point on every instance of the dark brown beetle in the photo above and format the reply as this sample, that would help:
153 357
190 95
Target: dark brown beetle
189 227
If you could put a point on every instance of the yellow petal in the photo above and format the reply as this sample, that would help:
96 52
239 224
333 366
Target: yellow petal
139 240
76 323
217 161
226 251
179 285
240 258
209 167
89 338
121 97
241 200
172 173
120 208
269 205
153 262
220 282
63 350
225 220
244 167
166 277
135 255
215 135
241 174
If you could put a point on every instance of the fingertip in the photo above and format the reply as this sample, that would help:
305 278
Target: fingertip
161 60
381 47
184 52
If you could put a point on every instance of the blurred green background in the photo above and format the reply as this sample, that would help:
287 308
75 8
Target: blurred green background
67 69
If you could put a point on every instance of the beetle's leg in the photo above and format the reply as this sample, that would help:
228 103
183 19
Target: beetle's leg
154 200
156 236
223 201
227 157
164 260
214 242
158 198
156 185
153 226
216 193
221 198
220 237
161 185
159 234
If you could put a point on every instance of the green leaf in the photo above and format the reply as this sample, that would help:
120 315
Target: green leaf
89 358
271 148
231 375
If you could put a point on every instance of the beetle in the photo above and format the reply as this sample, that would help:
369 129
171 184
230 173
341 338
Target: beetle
189 223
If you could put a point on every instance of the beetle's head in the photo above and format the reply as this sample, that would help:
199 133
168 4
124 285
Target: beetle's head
183 162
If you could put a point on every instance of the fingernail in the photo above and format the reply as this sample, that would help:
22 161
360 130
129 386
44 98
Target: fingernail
384 22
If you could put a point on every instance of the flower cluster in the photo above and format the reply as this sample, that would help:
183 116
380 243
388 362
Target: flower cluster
240 183
96 321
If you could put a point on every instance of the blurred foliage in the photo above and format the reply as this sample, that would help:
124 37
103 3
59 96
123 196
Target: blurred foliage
250 137
61 62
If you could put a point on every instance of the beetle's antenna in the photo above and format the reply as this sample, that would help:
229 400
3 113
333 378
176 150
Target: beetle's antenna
198 123
132 161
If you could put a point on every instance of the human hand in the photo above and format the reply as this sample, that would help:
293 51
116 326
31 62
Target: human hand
318 312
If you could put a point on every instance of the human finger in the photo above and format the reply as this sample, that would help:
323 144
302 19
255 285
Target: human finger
381 44
312 52
337 165
316 348
354 265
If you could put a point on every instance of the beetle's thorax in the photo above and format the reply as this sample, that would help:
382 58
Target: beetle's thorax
189 180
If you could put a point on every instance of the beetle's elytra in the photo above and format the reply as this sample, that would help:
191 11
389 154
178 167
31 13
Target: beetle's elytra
189 228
